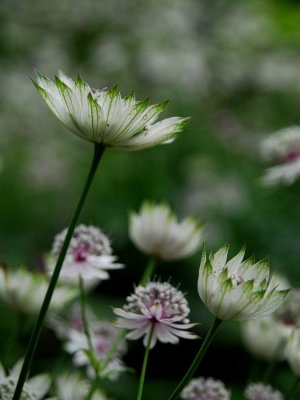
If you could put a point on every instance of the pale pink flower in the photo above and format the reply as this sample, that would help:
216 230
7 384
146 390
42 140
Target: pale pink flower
157 309
89 255
261 391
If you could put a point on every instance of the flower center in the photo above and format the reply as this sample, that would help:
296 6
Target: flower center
291 156
80 254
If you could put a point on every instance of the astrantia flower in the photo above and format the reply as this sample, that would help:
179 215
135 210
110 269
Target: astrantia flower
72 387
103 116
102 336
282 148
156 231
89 255
260 391
159 308
34 389
205 389
24 291
292 352
237 289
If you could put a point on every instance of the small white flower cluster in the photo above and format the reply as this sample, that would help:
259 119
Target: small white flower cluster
205 389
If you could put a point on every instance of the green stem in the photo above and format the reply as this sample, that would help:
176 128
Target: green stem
93 388
86 326
145 362
148 271
216 323
294 389
98 152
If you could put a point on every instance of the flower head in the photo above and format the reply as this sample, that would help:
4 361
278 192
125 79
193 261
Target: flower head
157 309
260 391
34 389
283 148
24 290
103 116
238 289
102 335
89 255
156 231
205 389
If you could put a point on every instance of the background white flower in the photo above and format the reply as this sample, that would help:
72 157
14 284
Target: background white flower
156 231
157 309
24 290
72 387
103 116
261 391
238 289
292 352
282 148
89 255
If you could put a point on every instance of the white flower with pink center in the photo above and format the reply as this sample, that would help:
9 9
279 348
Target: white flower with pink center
283 149
157 309
103 336
89 255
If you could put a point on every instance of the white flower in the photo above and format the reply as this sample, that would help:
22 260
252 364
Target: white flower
156 231
72 387
237 289
263 337
102 336
89 255
283 148
34 389
292 352
261 391
157 308
24 290
103 116
205 389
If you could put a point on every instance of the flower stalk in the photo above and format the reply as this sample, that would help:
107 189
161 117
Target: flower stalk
294 389
144 367
148 272
98 152
216 323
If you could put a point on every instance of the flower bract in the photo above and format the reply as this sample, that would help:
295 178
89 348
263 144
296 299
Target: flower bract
238 289
158 310
103 116
156 231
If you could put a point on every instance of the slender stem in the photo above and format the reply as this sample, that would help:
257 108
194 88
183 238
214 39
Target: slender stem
86 326
145 362
93 388
216 323
294 389
148 272
98 152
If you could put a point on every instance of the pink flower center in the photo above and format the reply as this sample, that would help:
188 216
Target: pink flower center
80 254
291 156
